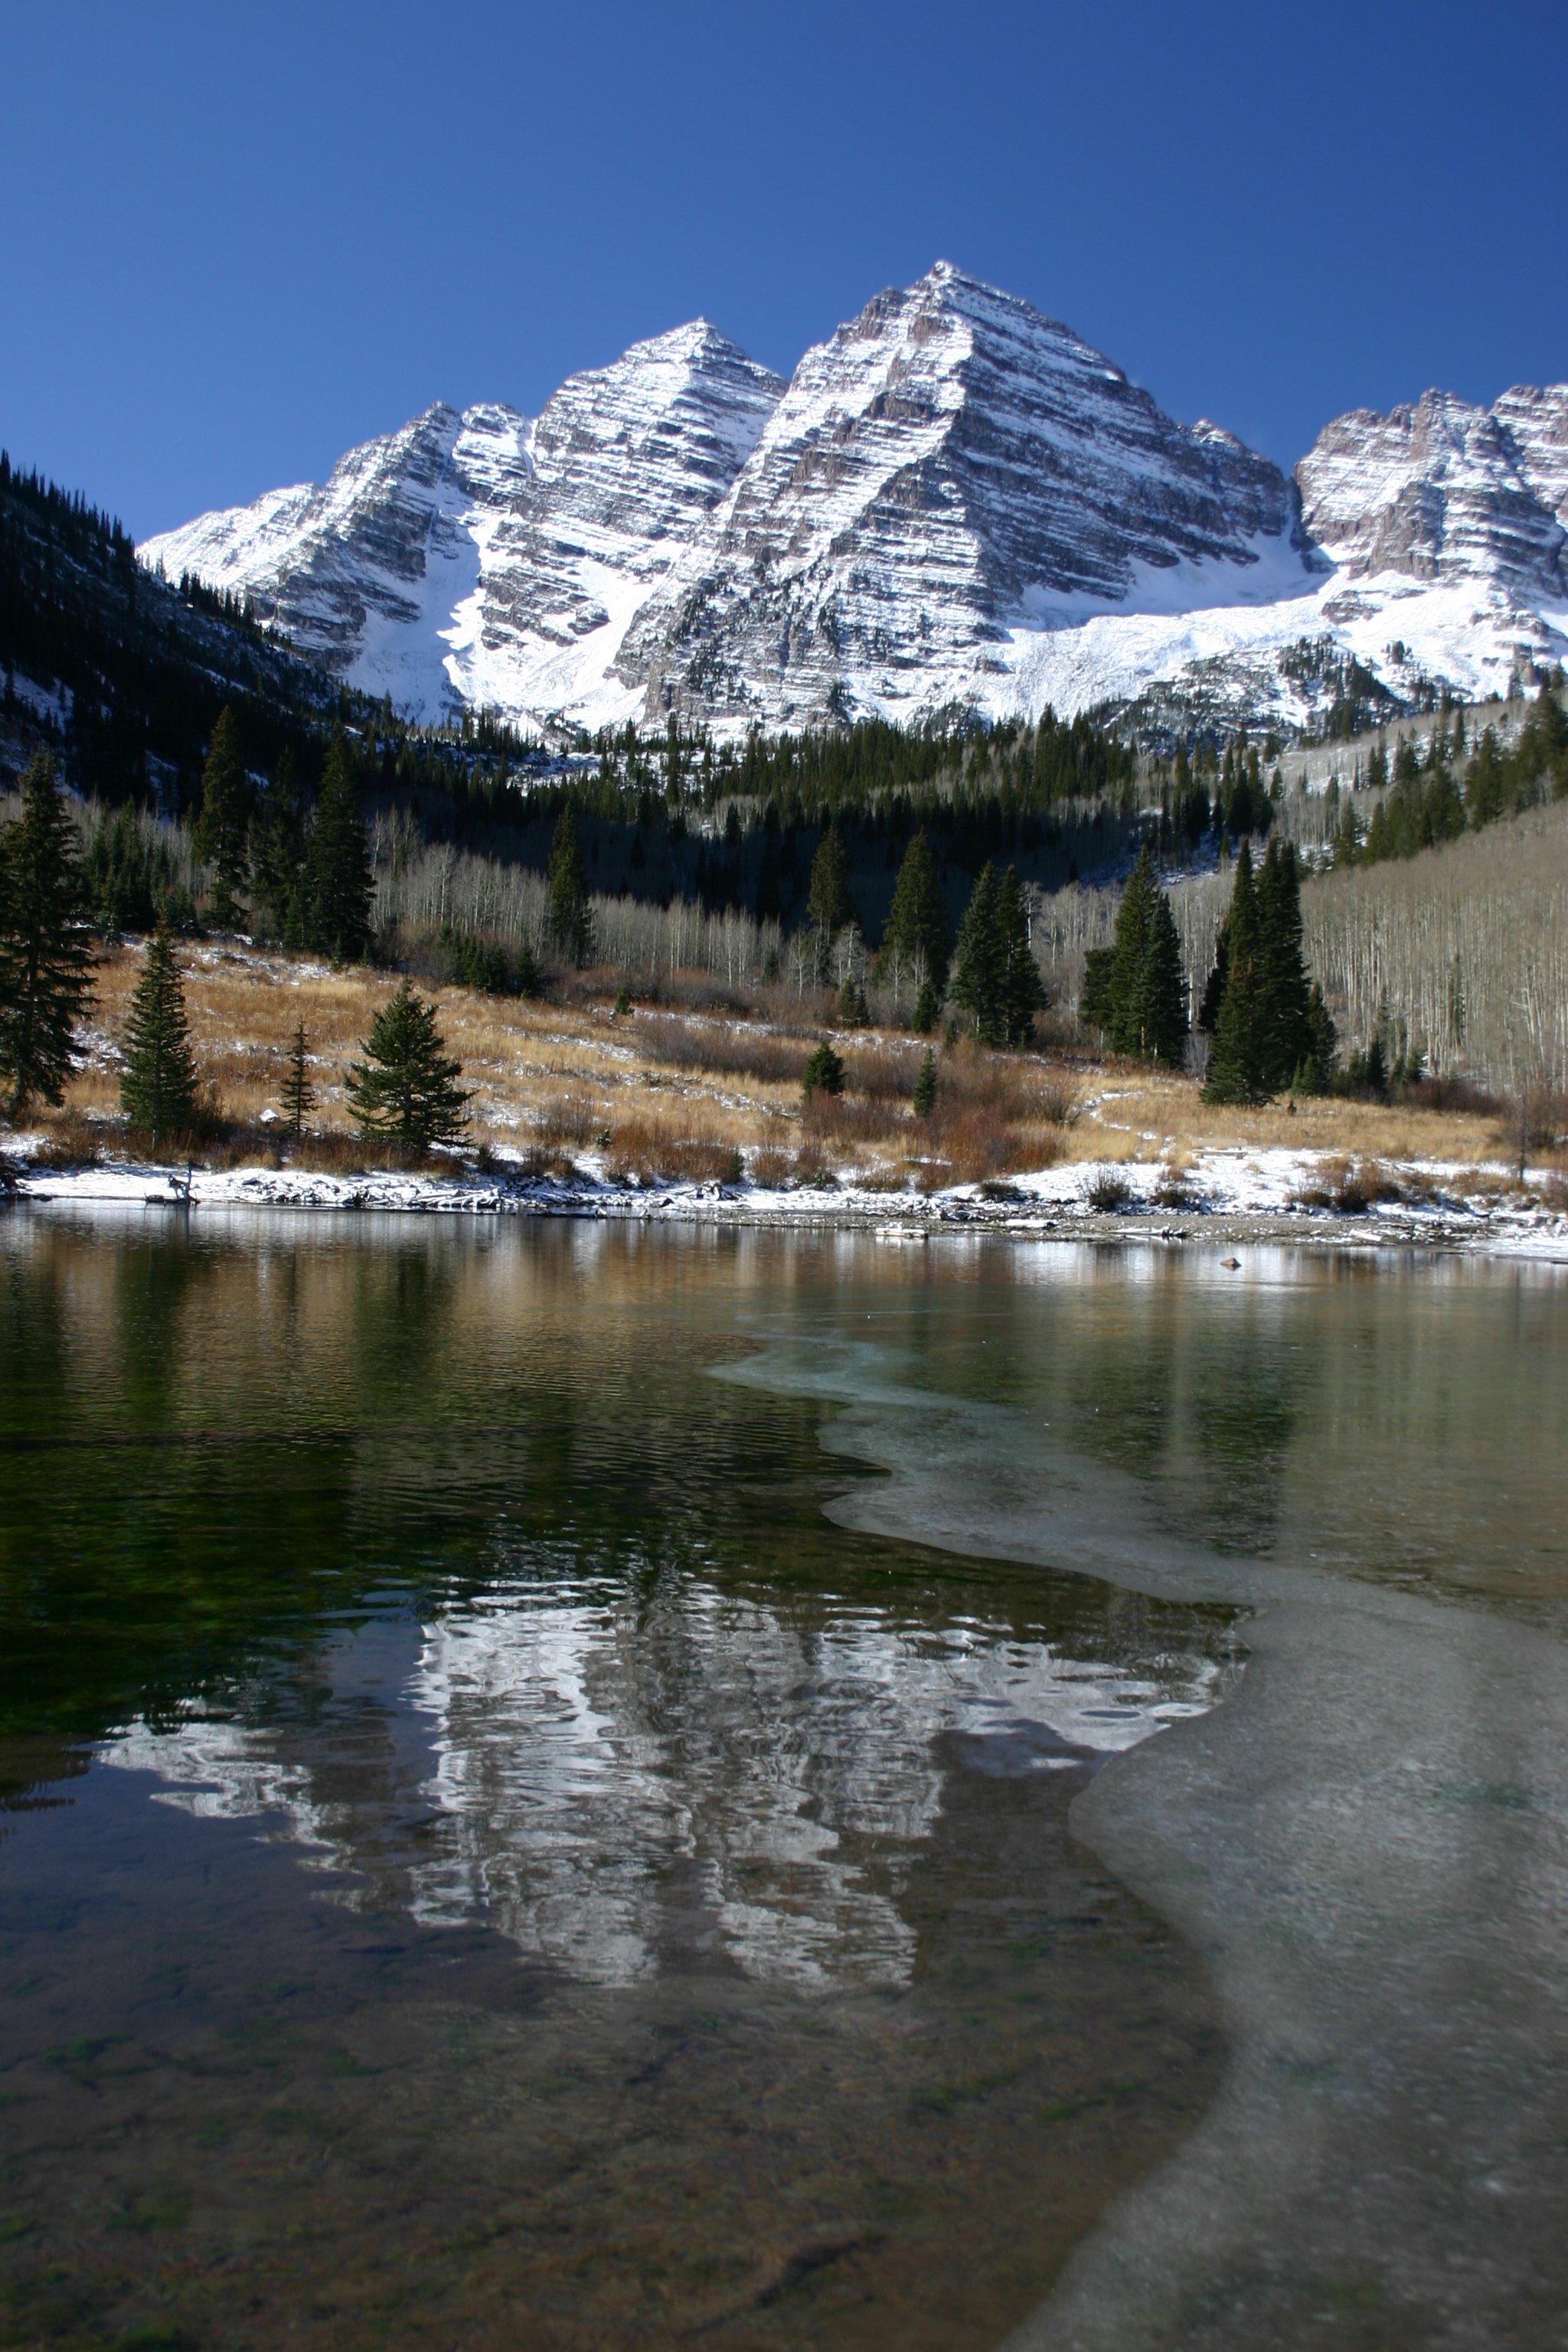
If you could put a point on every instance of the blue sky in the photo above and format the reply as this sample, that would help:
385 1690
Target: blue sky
241 238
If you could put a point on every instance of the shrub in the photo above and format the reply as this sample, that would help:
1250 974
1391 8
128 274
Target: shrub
743 1053
569 1119
773 1167
652 1152
1108 1191
884 1068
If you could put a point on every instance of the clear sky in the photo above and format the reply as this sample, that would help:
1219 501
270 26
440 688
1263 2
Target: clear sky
239 238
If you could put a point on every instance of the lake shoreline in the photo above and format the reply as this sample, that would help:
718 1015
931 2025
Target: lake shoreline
1034 1209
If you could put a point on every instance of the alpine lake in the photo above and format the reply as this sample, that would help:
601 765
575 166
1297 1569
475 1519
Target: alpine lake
592 1785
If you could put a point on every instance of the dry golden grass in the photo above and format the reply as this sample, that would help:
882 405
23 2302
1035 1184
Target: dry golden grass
1145 1116
667 1093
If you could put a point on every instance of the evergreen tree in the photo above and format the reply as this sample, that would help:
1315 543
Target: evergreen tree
1094 996
1287 1039
1214 993
1240 1067
927 1004
571 926
1158 1008
1145 1005
220 829
158 1071
1022 992
277 842
823 1071
980 960
853 1010
925 1086
916 928
45 962
298 1094
338 882
1135 918
1311 1076
829 904
403 1088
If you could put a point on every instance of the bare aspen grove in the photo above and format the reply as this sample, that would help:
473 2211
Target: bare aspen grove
424 890
1461 952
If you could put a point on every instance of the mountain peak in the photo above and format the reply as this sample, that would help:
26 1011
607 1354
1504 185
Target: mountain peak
955 502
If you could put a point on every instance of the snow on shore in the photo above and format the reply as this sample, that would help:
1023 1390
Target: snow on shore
1240 1193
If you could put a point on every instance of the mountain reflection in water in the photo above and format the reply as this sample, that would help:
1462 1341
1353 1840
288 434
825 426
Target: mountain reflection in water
582 1749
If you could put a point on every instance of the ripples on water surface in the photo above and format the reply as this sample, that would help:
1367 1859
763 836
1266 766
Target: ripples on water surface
487 1860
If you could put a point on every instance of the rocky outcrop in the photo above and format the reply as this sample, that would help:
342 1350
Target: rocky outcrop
1443 491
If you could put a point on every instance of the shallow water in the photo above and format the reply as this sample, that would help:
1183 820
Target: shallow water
491 1855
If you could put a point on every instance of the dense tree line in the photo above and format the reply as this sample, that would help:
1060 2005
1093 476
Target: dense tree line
133 676
1454 787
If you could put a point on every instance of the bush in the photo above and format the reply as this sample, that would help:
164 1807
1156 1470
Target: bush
472 962
1108 1193
569 1119
729 1052
651 1152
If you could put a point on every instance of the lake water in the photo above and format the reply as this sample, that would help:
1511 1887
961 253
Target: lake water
591 1786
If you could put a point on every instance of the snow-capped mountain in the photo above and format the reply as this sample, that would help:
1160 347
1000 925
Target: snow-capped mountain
948 481
484 557
955 502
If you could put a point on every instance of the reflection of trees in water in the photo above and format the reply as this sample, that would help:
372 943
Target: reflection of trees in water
1246 1403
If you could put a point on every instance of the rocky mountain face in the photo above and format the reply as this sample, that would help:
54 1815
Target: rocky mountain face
955 503
1443 491
946 470
487 557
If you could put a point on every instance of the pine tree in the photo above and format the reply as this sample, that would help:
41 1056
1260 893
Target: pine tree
927 1004
1213 992
915 930
158 1072
829 903
1022 992
1094 996
403 1088
1238 1068
277 855
1311 1076
571 926
298 1094
1133 919
925 1086
1287 1039
853 1010
220 830
823 1071
339 885
45 962
979 960
1145 996
1158 1007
